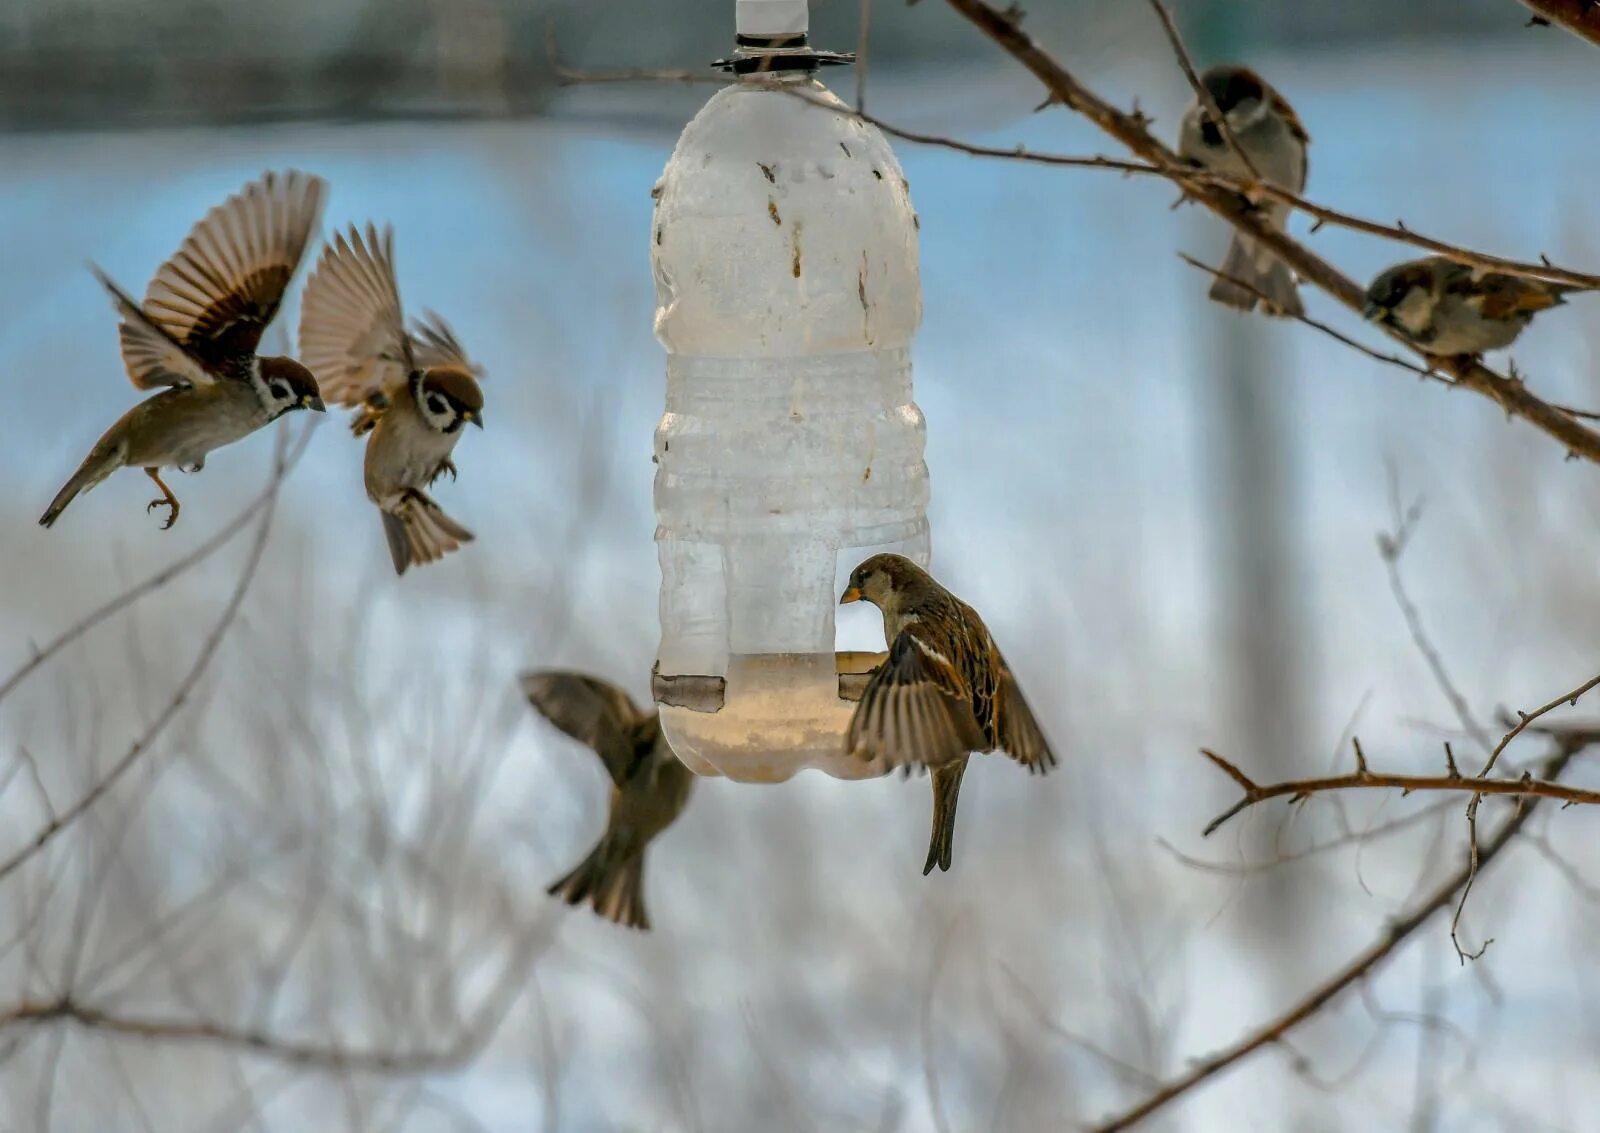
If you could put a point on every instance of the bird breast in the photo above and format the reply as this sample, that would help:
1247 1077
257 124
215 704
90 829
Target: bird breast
404 452
180 426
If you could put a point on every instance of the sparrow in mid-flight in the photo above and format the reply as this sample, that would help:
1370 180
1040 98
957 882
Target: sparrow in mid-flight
1450 308
413 390
943 692
197 332
650 788
1269 133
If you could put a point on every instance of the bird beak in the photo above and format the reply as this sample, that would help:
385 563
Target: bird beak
1375 312
476 418
851 594
313 402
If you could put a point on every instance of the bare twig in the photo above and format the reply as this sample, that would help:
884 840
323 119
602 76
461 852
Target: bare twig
166 574
1201 91
1391 546
1509 394
570 76
863 41
496 1002
1300 316
1526 718
1580 17
180 696
1363 778
1358 968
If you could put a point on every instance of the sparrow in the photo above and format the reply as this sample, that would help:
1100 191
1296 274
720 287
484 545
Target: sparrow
650 788
1451 308
943 692
412 390
1270 134
197 333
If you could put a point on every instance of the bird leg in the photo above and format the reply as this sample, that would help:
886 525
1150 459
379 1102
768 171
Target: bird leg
445 465
167 500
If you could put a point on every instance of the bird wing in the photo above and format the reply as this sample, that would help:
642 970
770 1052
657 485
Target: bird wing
151 356
436 344
916 708
1500 296
1018 732
591 711
352 330
217 294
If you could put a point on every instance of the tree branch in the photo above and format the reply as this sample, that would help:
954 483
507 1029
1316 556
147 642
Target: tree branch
1362 778
1362 965
1580 17
1508 393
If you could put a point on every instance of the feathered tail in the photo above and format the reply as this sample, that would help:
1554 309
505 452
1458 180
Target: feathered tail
946 792
420 532
1266 276
95 467
611 878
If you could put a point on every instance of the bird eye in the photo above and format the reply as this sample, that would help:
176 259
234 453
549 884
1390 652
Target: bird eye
436 405
280 392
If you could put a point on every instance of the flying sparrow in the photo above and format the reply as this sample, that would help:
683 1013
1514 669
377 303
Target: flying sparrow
197 333
1268 132
413 390
944 690
1450 308
650 788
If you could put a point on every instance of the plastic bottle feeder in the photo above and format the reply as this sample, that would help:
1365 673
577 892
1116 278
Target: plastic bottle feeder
784 248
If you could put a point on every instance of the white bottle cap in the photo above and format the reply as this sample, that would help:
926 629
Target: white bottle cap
771 17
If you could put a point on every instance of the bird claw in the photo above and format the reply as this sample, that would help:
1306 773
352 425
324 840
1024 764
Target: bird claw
445 466
170 505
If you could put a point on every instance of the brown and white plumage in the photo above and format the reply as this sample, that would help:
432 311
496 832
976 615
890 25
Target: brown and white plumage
650 788
1270 134
1447 307
944 691
198 330
412 389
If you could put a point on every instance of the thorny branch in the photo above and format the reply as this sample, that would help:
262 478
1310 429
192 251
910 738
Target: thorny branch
1129 129
66 817
1580 17
1363 964
1363 777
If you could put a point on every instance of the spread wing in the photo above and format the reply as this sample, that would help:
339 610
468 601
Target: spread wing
215 297
151 355
916 709
591 711
437 345
352 331
1019 733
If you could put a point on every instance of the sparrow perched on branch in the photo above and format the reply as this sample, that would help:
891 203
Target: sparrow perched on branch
413 390
1451 308
1271 136
197 333
650 788
943 692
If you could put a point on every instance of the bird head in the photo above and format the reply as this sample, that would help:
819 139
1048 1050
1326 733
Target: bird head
1402 296
284 385
885 580
447 396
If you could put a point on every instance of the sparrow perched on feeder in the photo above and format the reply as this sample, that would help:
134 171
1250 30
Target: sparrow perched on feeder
944 690
650 788
197 333
1451 308
1269 133
414 389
